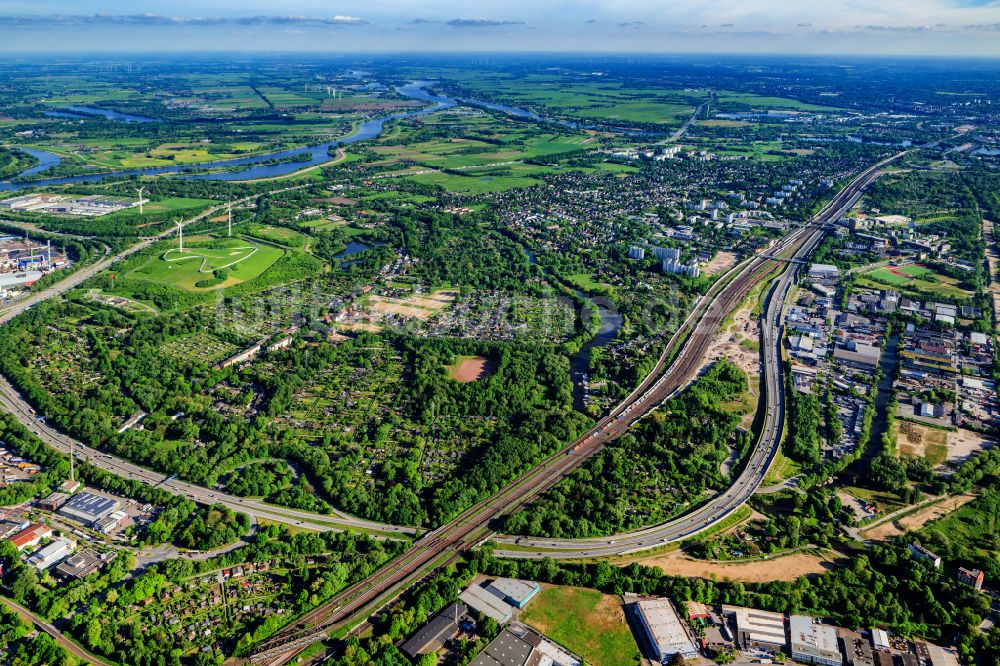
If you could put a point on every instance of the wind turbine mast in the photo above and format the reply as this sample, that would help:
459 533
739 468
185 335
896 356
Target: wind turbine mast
180 236
140 191
230 219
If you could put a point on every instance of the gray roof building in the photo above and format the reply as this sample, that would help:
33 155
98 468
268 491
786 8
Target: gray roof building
505 650
441 628
87 508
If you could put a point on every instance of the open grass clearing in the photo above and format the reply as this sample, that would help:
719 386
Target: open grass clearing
242 258
586 622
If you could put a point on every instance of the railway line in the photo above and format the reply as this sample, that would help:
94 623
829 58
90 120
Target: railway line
670 374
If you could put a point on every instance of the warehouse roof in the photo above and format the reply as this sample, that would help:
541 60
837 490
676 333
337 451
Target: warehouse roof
487 603
664 626
87 507
431 636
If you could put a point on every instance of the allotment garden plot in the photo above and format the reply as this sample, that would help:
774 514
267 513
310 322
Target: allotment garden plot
357 411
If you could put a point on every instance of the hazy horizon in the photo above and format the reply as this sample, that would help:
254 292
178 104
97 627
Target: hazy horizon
965 28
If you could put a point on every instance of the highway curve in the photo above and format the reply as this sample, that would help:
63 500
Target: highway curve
11 401
473 525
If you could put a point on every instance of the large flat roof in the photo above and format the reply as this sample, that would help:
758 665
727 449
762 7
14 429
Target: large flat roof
519 590
808 635
487 603
759 626
664 625
505 650
88 507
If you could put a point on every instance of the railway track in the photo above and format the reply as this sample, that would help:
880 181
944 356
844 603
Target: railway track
670 374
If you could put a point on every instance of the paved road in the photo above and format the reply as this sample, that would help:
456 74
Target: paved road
66 643
722 505
12 401
766 445
473 525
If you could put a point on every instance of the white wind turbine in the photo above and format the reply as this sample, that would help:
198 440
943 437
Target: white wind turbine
139 192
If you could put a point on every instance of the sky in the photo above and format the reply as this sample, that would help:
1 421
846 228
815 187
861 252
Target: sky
855 27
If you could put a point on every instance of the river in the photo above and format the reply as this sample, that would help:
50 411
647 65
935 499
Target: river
579 363
318 154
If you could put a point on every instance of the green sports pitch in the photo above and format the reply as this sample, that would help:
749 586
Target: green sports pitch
242 259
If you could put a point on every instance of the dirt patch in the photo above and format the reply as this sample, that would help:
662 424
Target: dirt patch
938 446
416 307
720 263
471 369
738 342
787 568
916 519
964 443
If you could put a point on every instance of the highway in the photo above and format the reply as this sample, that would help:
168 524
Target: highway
12 401
473 525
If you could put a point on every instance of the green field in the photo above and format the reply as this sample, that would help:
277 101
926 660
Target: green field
586 622
586 282
243 259
913 278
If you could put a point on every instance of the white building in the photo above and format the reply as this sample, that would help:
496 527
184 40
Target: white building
53 553
813 643
664 629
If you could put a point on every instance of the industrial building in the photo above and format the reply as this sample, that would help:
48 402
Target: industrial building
110 522
505 650
515 592
87 508
824 273
813 643
9 527
857 651
31 535
487 603
758 629
83 564
441 628
53 501
56 551
663 629
524 647
880 640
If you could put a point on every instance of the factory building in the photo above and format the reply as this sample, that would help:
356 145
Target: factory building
31 535
515 592
758 629
83 564
487 603
663 629
440 629
88 508
813 643
56 551
824 273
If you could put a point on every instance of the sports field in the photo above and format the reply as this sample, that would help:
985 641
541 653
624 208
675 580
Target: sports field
242 259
